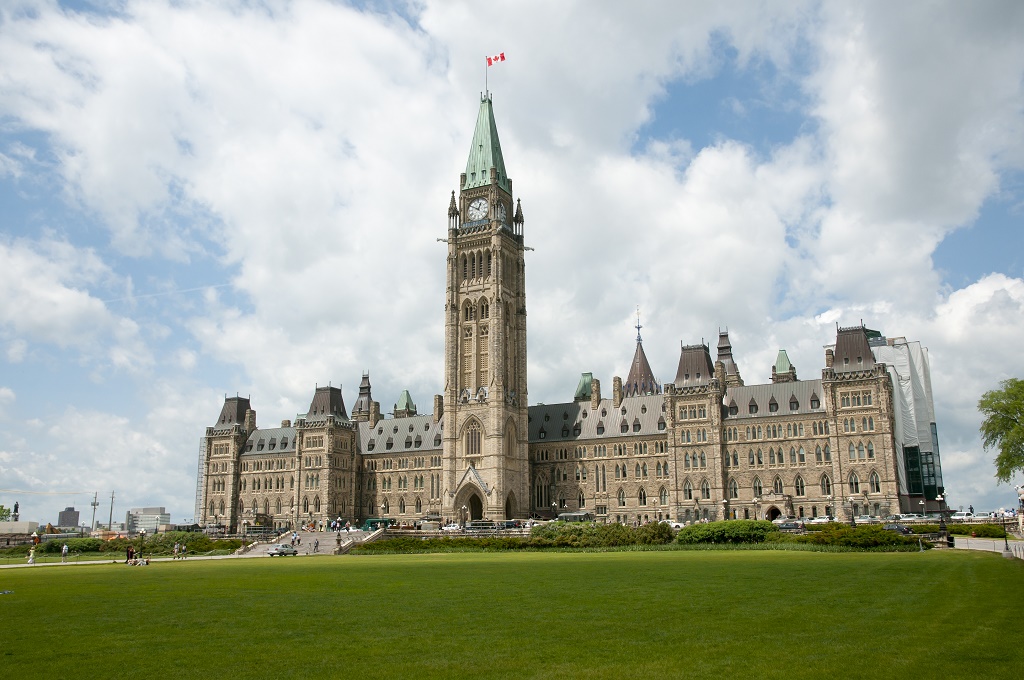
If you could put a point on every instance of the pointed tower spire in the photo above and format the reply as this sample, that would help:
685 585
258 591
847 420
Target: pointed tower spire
453 209
485 160
641 378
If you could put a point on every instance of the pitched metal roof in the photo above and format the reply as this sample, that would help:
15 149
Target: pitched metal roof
273 440
405 402
585 388
784 394
552 423
782 364
327 401
485 151
853 352
415 434
641 378
233 412
695 367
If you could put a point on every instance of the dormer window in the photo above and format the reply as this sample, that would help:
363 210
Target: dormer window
814 401
284 442
794 405
370 445
600 427
752 408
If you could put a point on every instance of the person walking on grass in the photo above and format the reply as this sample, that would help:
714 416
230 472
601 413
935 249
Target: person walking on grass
32 555
64 554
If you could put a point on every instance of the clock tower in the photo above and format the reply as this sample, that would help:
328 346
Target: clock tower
484 469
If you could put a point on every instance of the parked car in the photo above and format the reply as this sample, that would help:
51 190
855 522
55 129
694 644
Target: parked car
451 528
790 526
823 519
899 529
866 519
281 549
782 520
911 517
962 516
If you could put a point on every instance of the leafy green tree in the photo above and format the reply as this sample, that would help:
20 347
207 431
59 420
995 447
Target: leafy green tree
1003 426
5 514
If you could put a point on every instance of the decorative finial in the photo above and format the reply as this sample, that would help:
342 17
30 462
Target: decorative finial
638 326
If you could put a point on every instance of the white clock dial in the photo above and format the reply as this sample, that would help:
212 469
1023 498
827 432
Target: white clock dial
477 210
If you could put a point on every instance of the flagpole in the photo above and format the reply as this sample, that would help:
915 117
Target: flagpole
486 92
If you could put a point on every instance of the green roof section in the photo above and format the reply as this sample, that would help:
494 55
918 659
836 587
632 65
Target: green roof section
485 152
782 364
405 402
585 388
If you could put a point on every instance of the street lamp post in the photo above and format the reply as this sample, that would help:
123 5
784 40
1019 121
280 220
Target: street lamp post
465 515
725 508
924 506
853 519
554 510
1006 539
757 507
828 506
142 540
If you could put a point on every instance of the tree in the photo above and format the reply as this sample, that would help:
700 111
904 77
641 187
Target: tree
5 514
1003 426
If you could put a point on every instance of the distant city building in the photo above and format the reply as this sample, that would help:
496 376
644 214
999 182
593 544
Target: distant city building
68 517
146 518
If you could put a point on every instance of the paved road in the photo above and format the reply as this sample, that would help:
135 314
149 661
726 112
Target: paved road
990 545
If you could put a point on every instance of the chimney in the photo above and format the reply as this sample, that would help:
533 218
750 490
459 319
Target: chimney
250 420
286 423
595 394
438 407
830 358
374 413
616 391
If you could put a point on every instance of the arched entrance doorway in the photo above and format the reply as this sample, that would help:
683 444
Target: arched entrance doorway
476 507
510 506
773 513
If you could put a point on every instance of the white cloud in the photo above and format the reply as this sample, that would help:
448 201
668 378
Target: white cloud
311 148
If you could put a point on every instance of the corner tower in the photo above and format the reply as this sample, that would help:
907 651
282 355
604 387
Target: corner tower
485 469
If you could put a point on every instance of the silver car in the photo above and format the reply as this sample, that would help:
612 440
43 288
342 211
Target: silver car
281 549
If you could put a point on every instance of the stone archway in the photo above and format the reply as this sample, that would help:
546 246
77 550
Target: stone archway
476 507
773 513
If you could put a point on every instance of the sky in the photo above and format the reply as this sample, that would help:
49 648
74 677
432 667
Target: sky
201 199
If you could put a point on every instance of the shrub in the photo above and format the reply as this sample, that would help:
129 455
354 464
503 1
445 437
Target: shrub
730 531
870 536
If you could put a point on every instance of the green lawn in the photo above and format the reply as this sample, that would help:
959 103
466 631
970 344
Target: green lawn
555 615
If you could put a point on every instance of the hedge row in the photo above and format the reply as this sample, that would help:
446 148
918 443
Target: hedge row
154 545
863 537
979 530
732 531
584 535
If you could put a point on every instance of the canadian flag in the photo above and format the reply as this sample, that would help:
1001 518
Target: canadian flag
491 61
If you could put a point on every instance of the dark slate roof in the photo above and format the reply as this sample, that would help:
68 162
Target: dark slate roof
782 393
233 412
403 434
364 401
853 353
268 442
695 367
327 401
641 378
573 421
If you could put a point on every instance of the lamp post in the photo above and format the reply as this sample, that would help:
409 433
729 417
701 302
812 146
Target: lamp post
142 539
725 508
923 507
757 506
942 516
853 519
465 515
554 510
828 506
1006 539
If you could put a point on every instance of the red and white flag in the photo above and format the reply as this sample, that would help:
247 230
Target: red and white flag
491 61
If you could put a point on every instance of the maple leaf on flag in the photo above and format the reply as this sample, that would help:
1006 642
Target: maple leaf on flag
491 61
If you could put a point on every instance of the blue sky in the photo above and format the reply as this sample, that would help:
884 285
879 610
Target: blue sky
200 199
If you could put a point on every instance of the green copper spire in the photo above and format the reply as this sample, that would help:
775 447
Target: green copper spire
782 364
485 153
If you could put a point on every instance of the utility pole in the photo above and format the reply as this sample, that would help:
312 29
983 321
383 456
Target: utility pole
95 504
110 522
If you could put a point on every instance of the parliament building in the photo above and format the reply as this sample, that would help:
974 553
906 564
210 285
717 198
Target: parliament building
859 439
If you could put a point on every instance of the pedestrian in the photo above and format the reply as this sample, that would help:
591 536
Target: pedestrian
175 555
32 555
129 554
316 545
184 550
64 553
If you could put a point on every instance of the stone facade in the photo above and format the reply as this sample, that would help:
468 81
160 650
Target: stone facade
859 440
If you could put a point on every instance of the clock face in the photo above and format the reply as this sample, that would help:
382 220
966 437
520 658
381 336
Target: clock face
501 213
477 210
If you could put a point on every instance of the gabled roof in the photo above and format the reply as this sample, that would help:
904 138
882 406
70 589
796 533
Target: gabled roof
485 151
641 378
695 367
783 395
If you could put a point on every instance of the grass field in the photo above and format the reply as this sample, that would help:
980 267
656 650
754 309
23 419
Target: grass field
556 615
